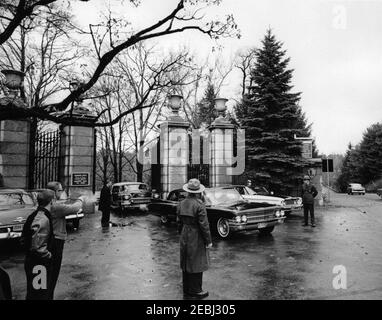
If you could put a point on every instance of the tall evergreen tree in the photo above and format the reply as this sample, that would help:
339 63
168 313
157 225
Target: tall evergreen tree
370 150
271 116
350 171
206 107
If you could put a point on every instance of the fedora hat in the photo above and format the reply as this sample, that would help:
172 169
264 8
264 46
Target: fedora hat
194 186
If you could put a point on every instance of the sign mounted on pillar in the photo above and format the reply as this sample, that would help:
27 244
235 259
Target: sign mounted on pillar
80 179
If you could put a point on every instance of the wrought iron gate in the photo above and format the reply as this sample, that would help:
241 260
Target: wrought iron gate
200 170
46 158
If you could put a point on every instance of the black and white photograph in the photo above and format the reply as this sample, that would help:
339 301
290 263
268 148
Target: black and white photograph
193 153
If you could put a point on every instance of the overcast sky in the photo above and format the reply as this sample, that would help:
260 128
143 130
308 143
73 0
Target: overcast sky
335 49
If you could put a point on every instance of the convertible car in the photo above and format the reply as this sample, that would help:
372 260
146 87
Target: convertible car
227 211
259 194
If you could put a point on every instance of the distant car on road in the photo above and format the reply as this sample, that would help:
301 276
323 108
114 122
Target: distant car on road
379 192
130 195
260 194
227 211
354 188
15 206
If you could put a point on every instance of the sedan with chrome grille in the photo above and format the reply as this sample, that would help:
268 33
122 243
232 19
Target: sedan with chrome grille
15 206
227 211
289 204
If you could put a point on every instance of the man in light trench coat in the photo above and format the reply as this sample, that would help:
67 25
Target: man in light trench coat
195 239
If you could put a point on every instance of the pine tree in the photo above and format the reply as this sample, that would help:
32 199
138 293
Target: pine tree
206 107
371 154
271 116
350 171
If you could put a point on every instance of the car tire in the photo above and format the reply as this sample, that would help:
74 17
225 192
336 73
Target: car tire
222 228
164 220
266 231
76 223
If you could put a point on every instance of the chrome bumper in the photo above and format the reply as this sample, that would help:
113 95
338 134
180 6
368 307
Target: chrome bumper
241 226
10 234
75 216
292 207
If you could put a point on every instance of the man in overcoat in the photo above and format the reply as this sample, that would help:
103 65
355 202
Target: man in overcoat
105 203
195 240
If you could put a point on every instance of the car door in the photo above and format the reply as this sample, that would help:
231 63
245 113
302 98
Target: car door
165 206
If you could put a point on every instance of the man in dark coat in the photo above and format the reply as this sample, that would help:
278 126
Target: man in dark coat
105 203
5 286
195 239
309 192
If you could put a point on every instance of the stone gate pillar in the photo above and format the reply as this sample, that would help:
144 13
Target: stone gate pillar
77 155
221 148
174 149
14 135
14 153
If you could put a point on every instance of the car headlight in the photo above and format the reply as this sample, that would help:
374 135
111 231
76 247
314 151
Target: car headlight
238 219
299 201
278 213
244 218
126 197
282 213
156 196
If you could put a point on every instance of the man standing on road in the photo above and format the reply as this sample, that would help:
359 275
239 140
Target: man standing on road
105 203
59 212
309 192
38 241
195 239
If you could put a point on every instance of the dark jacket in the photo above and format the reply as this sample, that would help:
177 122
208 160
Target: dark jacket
105 199
195 235
309 192
41 236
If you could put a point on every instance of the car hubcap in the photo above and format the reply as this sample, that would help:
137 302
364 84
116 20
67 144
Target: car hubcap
223 227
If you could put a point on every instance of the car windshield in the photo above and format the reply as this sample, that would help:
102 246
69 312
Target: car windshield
134 187
220 196
257 190
15 199
356 185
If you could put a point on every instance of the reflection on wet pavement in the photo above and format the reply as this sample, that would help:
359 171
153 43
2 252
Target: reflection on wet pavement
138 258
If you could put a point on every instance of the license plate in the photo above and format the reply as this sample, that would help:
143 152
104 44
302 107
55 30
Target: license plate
262 225
143 207
17 228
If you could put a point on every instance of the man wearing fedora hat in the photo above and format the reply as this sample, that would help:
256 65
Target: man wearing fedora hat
309 192
195 239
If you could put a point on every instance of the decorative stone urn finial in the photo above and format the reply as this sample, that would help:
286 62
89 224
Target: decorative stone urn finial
175 101
220 107
13 80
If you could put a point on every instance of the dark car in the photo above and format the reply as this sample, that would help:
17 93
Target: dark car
130 195
227 211
15 206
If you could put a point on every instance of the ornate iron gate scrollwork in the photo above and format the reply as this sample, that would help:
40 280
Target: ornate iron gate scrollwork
46 158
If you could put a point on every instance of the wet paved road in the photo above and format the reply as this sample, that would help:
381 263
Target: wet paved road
140 260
